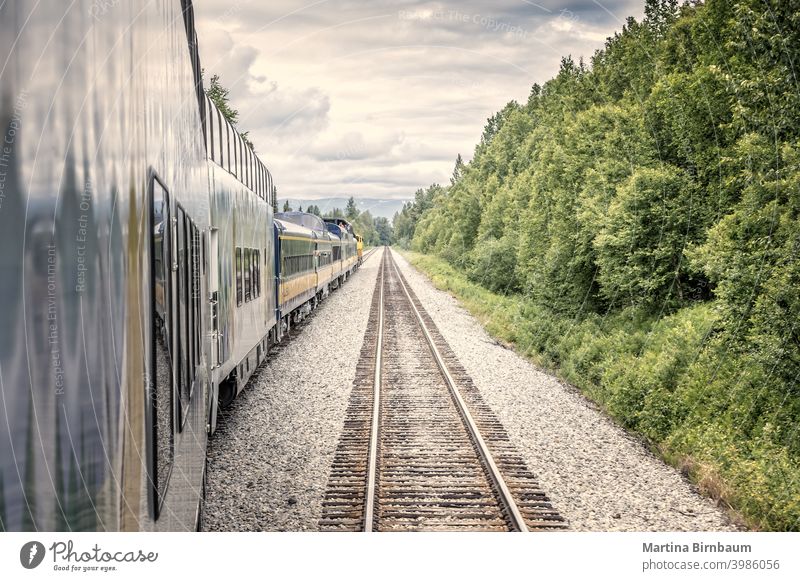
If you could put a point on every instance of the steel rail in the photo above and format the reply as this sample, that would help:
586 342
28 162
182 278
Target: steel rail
372 462
514 514
368 254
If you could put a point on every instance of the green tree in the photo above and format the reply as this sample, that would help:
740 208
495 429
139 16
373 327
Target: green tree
384 230
458 170
640 248
336 213
286 206
351 211
219 95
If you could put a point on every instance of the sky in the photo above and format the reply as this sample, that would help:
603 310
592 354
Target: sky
376 98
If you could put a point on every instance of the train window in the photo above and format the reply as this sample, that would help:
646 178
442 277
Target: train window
197 256
230 164
251 166
185 323
256 275
297 264
238 276
246 165
234 153
220 137
254 272
251 169
237 155
258 271
270 190
244 148
160 391
243 162
212 133
247 274
217 137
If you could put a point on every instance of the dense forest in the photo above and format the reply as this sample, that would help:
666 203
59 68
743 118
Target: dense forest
635 225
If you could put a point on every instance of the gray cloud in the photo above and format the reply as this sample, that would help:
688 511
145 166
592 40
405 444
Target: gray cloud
376 99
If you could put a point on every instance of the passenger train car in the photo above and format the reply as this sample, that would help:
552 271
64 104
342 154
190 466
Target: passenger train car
143 275
345 246
310 263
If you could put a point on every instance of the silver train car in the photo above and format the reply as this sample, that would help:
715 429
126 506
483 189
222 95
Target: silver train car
143 276
104 221
241 279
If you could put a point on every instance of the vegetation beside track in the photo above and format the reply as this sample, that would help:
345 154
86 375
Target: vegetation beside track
636 226
653 376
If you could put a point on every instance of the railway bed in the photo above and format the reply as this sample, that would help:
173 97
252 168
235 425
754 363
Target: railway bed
420 450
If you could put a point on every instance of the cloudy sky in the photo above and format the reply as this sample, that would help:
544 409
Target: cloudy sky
375 98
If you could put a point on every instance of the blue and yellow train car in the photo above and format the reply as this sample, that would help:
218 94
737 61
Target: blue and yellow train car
346 258
295 248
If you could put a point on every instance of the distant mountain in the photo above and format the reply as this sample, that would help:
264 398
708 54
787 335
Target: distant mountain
376 207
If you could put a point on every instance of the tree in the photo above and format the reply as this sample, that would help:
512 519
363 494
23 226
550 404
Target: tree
458 171
384 230
640 247
219 96
351 211
286 206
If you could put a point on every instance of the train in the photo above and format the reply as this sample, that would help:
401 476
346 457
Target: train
144 271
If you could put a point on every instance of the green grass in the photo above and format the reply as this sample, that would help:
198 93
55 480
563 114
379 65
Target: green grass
662 378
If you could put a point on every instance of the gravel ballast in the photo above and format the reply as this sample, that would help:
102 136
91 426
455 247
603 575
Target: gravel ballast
598 477
269 460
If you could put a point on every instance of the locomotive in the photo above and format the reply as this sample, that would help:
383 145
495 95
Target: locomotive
143 272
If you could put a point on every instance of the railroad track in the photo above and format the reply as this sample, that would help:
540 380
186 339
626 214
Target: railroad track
420 449
369 253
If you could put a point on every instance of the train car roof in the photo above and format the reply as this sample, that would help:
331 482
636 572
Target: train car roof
290 228
305 219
